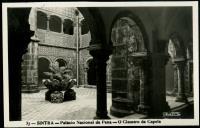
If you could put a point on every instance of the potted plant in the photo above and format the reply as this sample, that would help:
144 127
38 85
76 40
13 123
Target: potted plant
61 79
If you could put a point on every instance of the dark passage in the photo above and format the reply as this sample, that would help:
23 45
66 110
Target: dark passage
91 73
43 66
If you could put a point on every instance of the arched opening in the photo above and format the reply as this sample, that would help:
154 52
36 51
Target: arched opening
171 70
21 16
61 62
84 27
91 72
177 71
41 20
55 23
43 66
68 27
129 72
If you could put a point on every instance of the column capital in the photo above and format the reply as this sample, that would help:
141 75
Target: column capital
139 59
101 60
48 17
34 38
180 62
99 51
62 20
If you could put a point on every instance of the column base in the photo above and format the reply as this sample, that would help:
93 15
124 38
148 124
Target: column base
143 108
181 98
172 93
120 112
30 89
189 94
121 107
101 117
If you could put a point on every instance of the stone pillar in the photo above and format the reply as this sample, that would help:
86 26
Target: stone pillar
143 107
62 25
157 95
189 74
108 79
175 88
80 36
48 18
30 68
190 77
35 58
181 87
101 112
85 76
100 57
86 68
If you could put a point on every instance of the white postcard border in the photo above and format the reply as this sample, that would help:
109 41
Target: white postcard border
165 122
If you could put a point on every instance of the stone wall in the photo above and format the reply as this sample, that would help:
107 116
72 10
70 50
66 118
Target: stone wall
58 45
55 39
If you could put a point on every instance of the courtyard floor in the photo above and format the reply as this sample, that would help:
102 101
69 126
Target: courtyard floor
34 106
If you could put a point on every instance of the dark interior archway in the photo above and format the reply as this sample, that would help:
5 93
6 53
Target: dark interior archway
41 20
68 27
55 23
91 72
175 50
43 66
61 62
129 40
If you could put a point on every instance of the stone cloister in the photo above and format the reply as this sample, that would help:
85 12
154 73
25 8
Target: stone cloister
139 45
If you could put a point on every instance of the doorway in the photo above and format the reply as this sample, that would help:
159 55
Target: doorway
43 66
91 72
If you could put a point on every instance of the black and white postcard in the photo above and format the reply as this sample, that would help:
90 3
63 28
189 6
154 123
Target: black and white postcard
100 64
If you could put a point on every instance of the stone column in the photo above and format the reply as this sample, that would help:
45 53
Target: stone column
100 57
175 88
181 87
101 112
157 95
143 106
85 76
108 79
48 18
30 80
35 58
190 77
189 69
62 25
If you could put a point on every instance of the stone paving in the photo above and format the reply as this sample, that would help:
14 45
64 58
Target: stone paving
34 106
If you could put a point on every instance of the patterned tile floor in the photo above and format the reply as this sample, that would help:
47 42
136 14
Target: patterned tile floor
34 107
